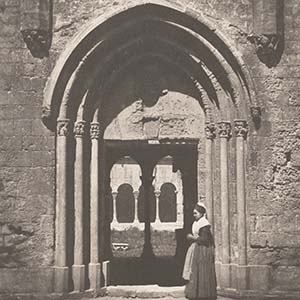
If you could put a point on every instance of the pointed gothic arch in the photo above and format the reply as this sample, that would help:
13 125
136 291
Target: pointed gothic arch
74 101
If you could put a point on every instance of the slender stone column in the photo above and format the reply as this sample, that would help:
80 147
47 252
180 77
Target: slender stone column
136 197
241 133
115 219
94 265
210 135
157 194
179 199
78 268
61 268
224 132
147 179
107 251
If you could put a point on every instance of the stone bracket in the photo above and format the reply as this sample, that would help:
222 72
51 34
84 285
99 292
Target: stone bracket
36 24
38 41
267 47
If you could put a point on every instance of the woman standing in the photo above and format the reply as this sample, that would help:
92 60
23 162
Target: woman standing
199 267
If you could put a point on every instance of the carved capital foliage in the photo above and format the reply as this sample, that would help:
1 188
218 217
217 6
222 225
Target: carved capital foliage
38 41
224 129
241 128
210 131
63 128
79 129
95 130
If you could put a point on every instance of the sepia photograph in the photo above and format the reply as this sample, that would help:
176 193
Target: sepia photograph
150 149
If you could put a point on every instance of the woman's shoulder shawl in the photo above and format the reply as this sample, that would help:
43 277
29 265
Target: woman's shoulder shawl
203 222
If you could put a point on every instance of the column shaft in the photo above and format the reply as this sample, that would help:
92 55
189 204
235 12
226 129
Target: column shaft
114 195
94 265
224 130
241 132
157 194
147 179
136 196
210 135
61 269
78 266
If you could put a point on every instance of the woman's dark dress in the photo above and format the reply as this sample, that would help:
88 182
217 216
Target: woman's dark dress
202 283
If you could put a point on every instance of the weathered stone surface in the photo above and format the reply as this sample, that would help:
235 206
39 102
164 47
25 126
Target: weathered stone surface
285 277
27 148
16 280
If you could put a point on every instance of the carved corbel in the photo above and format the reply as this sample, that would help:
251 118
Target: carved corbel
266 47
36 26
256 115
268 30
38 41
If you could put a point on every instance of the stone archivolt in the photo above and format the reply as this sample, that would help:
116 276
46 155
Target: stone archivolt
84 77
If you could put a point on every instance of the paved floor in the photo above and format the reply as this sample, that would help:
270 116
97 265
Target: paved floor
165 298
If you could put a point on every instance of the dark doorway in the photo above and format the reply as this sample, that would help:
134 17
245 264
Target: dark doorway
147 267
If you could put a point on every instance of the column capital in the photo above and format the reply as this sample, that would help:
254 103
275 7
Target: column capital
224 129
114 194
157 193
136 194
95 130
79 129
210 131
241 128
63 127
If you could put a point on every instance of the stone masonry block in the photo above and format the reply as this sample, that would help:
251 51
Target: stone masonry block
286 277
266 223
38 128
259 277
4 229
295 159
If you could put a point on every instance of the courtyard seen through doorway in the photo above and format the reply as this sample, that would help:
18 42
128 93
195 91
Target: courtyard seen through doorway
149 199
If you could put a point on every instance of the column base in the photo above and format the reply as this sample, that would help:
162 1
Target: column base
61 278
95 276
242 276
224 275
105 271
147 252
78 275
259 277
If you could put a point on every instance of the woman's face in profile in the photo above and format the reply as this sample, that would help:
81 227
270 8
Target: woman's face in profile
197 215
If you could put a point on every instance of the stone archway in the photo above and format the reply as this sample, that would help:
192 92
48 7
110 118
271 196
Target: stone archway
218 94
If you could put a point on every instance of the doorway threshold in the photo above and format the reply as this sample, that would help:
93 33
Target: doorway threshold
145 291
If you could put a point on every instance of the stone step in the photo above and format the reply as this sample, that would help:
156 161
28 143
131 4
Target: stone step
145 291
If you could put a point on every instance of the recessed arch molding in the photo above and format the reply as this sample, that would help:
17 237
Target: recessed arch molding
75 100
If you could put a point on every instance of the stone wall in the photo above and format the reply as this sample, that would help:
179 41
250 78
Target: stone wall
274 177
27 161
26 151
